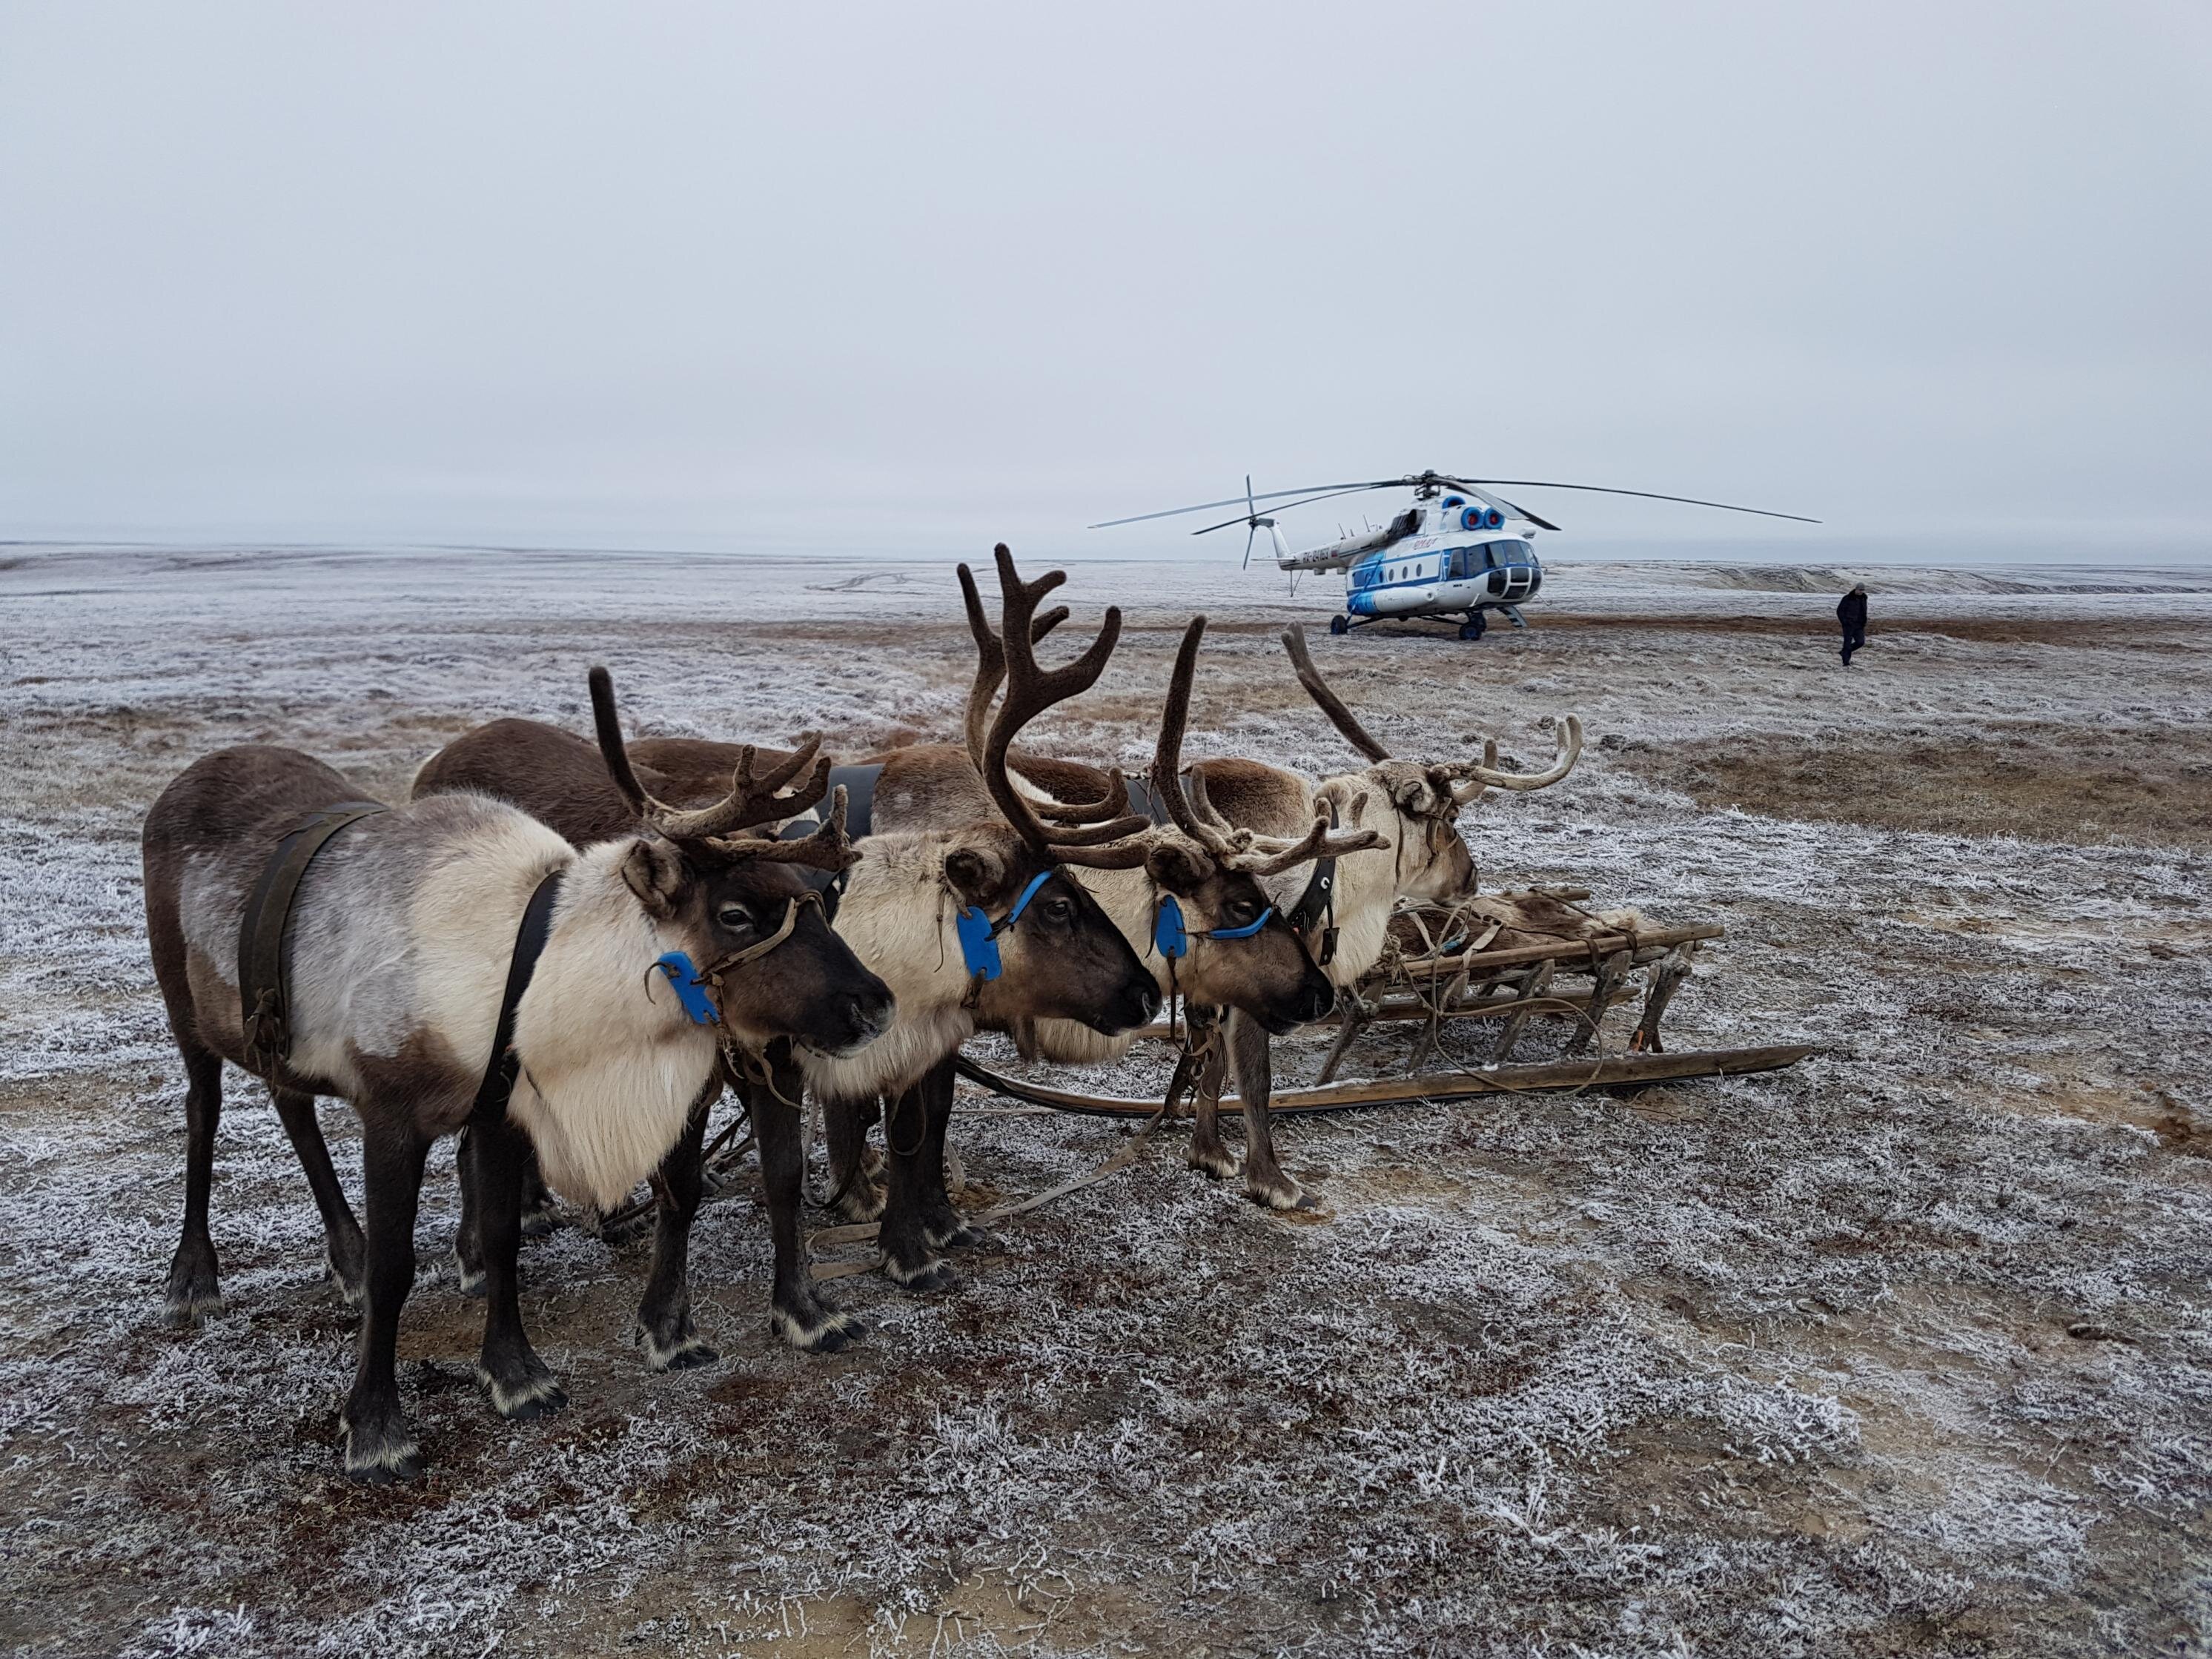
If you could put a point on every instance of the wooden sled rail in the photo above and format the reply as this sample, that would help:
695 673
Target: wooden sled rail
1619 1071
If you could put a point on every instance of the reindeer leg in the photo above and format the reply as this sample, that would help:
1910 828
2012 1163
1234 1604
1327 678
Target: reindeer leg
379 1442
664 1312
521 1384
344 1251
845 1126
538 1199
1206 1152
1264 1180
910 1260
468 1238
797 1310
941 1220
193 1287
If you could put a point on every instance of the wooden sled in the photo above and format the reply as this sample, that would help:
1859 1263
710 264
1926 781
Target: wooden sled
1507 957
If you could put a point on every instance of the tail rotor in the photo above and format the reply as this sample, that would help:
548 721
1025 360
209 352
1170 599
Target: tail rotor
1253 522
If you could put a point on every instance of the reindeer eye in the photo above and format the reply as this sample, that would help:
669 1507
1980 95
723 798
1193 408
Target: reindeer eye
1058 909
734 917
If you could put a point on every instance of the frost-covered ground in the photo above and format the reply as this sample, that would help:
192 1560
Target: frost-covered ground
1904 1351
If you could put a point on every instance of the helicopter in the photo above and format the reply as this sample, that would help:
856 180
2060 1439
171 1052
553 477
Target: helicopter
1458 550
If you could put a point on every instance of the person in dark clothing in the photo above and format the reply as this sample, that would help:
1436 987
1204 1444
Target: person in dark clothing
1850 611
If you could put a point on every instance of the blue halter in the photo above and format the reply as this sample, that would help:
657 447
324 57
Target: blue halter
1173 942
979 934
690 989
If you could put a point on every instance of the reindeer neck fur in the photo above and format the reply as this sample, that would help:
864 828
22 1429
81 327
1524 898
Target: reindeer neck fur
1370 885
611 1064
897 917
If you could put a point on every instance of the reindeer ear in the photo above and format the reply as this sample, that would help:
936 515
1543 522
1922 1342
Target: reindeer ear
977 874
1177 866
656 874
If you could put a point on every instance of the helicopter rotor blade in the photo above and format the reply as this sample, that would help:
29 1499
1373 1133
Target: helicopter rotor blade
1507 507
1350 489
1250 503
1249 535
1606 489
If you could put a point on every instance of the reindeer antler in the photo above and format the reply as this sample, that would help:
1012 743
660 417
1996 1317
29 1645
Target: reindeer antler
1294 641
990 662
753 798
1238 849
991 673
1031 691
1468 779
827 848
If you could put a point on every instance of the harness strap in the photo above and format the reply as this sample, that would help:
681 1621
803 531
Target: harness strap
1316 910
755 952
264 998
530 937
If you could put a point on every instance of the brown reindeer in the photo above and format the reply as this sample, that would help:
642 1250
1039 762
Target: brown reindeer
1419 803
1239 950
397 954
1057 955
1415 806
1269 974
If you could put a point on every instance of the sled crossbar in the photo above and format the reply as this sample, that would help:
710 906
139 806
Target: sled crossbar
1598 944
1617 1071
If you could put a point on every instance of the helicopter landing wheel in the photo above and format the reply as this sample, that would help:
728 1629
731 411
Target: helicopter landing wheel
1340 624
1473 627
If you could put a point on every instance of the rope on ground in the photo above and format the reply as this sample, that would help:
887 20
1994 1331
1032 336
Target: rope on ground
867 1232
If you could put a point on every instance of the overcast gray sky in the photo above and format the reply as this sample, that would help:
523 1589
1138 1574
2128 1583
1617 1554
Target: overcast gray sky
913 279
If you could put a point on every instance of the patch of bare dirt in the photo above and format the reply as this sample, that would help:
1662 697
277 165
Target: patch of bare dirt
2083 785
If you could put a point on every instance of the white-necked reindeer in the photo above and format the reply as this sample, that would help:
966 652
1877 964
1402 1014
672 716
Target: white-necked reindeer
397 956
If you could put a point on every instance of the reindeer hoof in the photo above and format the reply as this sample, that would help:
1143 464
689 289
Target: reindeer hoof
383 1458
1215 1161
957 1234
826 1331
683 1352
194 1290
524 1401
389 1472
1285 1195
539 1224
863 1201
924 1278
689 1357
184 1313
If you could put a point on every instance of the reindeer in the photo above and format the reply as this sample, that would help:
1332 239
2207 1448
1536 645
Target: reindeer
1342 911
1214 881
1419 803
904 908
1233 949
396 950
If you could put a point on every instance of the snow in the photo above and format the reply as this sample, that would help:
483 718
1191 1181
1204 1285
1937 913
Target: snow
1777 1364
